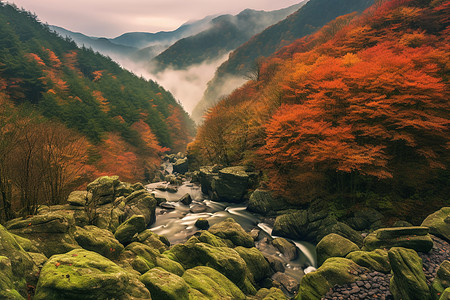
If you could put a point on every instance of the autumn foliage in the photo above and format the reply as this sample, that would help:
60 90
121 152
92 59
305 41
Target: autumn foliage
364 98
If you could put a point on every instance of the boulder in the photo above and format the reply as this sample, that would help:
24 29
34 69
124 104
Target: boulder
446 294
212 284
50 233
335 270
334 245
39 259
439 223
272 294
186 199
103 189
181 166
165 285
109 216
290 284
286 248
231 230
198 208
202 223
442 280
416 238
77 198
82 274
376 260
7 287
77 213
256 263
134 225
141 202
206 176
25 243
262 202
98 240
275 263
153 240
209 238
365 218
408 281
232 184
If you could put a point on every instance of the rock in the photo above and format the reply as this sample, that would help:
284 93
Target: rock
50 233
275 263
211 284
256 263
229 229
125 232
402 224
167 205
109 216
254 233
439 223
7 286
25 243
442 280
39 259
123 189
408 280
376 260
334 245
416 238
159 200
202 223
290 284
272 294
334 271
206 176
186 199
232 184
165 285
77 198
197 208
98 240
153 240
262 202
82 274
288 249
143 203
172 189
445 295
103 189
209 238
223 259
181 166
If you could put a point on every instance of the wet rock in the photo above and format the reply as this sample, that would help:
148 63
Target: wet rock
255 261
98 240
289 283
334 245
262 202
275 263
286 248
77 198
198 208
408 280
129 228
181 166
416 238
229 229
167 205
254 233
202 223
210 284
186 199
439 223
165 285
172 189
159 200
65 276
376 260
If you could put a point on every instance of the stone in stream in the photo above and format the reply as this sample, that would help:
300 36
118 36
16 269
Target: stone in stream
167 205
334 245
231 230
202 223
198 208
186 199
290 284
275 263
408 281
82 274
288 249
255 261
181 166
262 202
439 223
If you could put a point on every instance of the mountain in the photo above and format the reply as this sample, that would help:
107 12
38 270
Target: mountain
309 18
352 116
47 82
226 32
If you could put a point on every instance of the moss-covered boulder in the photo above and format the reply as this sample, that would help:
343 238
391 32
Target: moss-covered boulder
77 198
141 202
334 245
256 263
181 166
229 229
212 284
134 225
416 238
165 285
272 294
288 249
25 243
335 270
446 294
50 233
98 240
376 260
153 240
213 240
110 216
262 202
442 280
102 189
232 184
82 274
7 286
408 281
439 223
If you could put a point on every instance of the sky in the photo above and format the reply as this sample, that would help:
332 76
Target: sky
111 18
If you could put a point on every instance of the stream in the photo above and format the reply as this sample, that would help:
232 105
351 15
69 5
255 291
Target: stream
177 224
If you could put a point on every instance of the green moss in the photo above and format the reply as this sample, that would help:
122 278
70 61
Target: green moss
165 285
152 240
209 238
256 263
212 284
442 280
376 260
439 223
334 245
169 265
398 237
129 228
272 294
98 240
231 230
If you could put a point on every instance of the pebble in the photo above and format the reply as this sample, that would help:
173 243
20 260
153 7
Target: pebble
375 285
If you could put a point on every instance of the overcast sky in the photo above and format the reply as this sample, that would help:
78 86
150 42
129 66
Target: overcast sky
111 18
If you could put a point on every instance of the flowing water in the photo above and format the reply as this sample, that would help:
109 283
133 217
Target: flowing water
178 224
